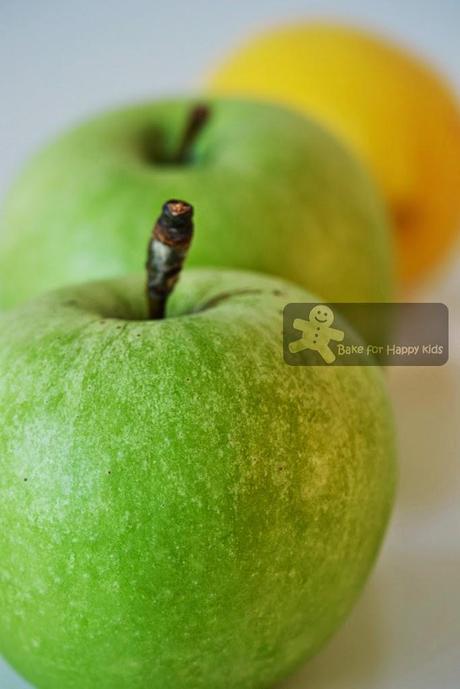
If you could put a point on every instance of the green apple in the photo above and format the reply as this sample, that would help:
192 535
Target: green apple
274 193
180 509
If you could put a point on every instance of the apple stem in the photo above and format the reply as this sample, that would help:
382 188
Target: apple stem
198 117
167 249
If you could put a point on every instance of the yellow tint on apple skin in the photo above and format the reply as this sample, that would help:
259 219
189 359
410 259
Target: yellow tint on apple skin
390 107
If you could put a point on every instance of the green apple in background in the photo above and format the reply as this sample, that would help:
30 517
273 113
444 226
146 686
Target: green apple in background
180 509
274 193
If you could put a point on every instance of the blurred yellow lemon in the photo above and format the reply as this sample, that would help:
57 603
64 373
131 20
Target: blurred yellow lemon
396 113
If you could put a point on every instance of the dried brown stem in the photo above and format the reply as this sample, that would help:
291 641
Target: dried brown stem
167 249
197 119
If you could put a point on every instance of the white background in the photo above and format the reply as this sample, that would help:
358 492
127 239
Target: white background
60 61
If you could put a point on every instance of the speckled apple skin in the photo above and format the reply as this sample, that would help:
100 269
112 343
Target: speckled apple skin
180 509
273 192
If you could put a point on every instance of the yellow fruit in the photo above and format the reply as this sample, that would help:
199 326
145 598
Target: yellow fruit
397 114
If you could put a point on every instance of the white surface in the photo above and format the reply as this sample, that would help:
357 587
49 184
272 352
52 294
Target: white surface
59 62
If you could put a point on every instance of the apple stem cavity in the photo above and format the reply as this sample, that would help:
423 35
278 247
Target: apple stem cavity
168 246
197 119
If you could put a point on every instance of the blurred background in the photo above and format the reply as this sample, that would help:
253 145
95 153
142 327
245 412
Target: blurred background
60 62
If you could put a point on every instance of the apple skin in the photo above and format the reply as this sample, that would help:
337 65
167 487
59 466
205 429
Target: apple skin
180 508
299 206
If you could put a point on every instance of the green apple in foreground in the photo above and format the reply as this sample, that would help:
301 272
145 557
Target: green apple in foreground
274 193
180 509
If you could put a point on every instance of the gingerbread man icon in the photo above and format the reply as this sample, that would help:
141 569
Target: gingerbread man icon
317 333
